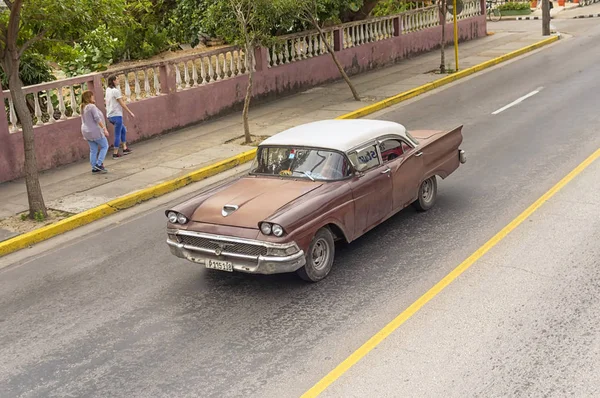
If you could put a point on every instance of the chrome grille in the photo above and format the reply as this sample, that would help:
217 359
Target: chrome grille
226 247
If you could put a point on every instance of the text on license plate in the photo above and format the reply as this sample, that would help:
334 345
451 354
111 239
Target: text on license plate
220 265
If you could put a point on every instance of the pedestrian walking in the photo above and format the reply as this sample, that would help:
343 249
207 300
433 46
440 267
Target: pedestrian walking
93 129
114 111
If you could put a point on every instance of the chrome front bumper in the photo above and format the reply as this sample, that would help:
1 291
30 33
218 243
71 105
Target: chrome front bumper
249 263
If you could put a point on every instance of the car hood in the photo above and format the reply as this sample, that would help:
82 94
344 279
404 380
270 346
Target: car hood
256 199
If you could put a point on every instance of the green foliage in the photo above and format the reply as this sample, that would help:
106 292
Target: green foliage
247 22
39 216
33 70
514 6
142 34
185 22
59 25
88 35
69 20
391 7
94 53
24 216
326 12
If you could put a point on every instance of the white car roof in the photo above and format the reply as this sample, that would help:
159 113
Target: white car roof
340 135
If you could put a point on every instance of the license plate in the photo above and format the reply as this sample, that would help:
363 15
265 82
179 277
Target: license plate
220 265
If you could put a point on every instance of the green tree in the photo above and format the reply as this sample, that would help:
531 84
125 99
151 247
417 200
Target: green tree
33 70
390 7
247 23
28 24
185 22
319 12
358 10
142 32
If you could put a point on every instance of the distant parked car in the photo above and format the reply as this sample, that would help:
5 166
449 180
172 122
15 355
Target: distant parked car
308 187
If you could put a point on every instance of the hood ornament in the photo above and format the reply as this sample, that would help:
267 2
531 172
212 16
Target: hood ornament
228 209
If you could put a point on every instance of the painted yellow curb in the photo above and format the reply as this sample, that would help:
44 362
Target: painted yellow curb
22 241
386 103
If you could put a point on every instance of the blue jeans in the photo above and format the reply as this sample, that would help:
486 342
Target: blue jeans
120 130
101 144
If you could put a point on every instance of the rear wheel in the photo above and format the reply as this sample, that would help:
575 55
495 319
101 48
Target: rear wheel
319 258
427 194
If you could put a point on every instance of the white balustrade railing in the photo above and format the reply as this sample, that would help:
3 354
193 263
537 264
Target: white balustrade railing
138 83
57 101
209 67
297 47
48 102
425 18
470 9
369 31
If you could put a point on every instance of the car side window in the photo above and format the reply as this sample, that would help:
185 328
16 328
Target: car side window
366 157
391 149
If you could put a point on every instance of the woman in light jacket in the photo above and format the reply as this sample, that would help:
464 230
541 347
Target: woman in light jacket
94 131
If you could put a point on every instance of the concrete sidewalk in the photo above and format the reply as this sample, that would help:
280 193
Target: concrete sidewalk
74 188
592 10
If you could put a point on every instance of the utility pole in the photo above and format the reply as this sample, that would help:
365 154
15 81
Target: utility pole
546 17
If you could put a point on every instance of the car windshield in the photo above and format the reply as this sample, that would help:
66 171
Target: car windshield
309 163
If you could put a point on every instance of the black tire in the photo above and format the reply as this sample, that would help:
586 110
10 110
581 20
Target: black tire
427 194
323 246
495 15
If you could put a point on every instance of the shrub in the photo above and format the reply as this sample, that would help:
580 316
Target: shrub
33 70
514 6
391 7
185 23
94 53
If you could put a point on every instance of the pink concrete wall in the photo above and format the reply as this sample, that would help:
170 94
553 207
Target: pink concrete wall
60 143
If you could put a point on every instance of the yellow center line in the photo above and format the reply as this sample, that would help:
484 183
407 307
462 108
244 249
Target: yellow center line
441 285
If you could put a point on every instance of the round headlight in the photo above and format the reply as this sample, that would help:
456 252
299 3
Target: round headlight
182 219
265 228
277 230
172 216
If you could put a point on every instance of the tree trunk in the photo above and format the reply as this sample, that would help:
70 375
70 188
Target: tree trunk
250 69
335 60
545 18
34 190
443 47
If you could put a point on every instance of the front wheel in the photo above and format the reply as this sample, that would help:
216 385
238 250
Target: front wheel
494 15
427 194
319 258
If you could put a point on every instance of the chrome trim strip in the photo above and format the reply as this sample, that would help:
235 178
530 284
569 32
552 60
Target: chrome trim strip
231 239
213 252
262 265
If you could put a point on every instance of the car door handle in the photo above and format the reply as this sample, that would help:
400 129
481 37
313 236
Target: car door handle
386 171
419 154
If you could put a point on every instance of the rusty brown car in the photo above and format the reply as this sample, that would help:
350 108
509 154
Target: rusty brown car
308 187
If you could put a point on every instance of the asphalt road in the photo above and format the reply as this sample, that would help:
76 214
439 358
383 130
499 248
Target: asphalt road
107 311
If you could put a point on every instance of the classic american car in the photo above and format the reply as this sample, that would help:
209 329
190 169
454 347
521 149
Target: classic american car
309 187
